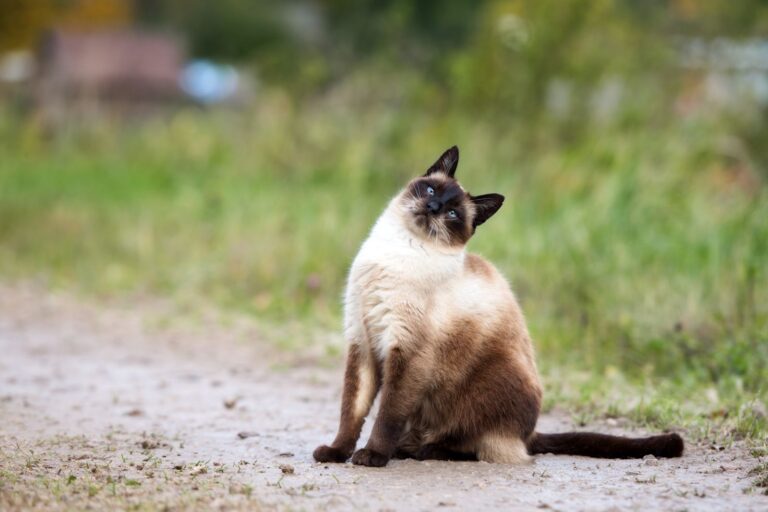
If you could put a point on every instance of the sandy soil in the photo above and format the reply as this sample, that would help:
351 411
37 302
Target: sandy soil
100 407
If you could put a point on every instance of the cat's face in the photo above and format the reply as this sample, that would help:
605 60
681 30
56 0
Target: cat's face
438 209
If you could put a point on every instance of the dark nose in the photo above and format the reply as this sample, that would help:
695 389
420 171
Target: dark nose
434 205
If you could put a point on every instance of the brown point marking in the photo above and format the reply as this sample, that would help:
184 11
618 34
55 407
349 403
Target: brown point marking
474 264
351 422
480 384
404 379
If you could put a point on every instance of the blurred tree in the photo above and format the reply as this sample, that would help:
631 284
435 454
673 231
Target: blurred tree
23 21
518 58
325 37
227 29
427 27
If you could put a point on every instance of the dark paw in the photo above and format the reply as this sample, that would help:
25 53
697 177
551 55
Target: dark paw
402 454
366 457
437 452
428 452
329 454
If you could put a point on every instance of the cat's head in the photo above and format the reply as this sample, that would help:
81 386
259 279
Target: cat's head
436 208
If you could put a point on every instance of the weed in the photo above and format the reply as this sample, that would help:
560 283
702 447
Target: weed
760 472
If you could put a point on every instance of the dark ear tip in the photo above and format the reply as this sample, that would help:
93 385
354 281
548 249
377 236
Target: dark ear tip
446 163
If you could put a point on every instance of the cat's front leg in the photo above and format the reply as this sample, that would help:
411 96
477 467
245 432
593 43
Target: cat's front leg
403 384
360 387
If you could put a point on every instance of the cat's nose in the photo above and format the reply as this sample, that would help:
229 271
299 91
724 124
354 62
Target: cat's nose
434 205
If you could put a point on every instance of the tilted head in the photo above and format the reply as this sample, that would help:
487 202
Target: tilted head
436 208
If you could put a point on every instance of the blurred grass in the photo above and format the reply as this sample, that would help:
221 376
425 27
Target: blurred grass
640 246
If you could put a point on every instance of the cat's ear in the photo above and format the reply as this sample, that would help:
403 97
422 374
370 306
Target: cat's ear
485 206
446 163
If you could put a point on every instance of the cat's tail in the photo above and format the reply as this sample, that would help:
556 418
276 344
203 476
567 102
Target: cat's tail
604 446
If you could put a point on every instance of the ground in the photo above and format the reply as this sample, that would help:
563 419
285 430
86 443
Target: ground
110 406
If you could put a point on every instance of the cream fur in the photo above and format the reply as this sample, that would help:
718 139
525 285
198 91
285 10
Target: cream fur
366 390
502 449
391 281
397 279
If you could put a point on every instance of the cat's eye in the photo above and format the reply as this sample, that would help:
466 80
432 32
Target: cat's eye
452 214
430 191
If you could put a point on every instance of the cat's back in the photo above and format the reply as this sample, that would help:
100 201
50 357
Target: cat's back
481 292
478 267
480 301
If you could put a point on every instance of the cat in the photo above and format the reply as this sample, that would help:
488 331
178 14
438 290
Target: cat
440 335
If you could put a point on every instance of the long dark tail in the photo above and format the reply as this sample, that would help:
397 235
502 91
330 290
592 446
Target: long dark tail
606 447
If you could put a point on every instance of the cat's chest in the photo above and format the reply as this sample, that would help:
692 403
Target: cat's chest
400 270
396 290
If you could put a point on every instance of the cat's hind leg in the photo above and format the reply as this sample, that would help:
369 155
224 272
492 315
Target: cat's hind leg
442 451
409 443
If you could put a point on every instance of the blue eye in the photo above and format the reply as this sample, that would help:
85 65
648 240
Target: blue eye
430 191
452 214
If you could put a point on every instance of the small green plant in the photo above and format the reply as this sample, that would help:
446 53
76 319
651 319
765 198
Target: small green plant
760 472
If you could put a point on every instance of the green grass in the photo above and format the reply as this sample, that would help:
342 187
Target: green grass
636 250
760 474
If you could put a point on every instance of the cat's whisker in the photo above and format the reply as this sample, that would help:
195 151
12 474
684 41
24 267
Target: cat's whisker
446 234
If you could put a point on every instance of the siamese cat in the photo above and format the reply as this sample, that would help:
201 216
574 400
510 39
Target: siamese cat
439 334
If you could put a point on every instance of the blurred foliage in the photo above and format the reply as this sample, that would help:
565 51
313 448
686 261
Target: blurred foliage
643 248
634 231
22 22
495 54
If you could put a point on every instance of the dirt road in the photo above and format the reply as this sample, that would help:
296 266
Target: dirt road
103 408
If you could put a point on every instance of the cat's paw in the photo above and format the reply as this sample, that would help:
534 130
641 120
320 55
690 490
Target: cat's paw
367 457
402 454
434 451
329 454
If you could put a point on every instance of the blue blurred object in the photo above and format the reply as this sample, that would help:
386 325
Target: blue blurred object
208 82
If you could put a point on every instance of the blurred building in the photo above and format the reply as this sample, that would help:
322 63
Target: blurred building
126 68
725 73
76 57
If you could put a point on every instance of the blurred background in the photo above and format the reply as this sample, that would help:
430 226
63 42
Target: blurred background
235 153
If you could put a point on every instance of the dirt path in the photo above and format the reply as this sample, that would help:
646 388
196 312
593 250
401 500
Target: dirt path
100 409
